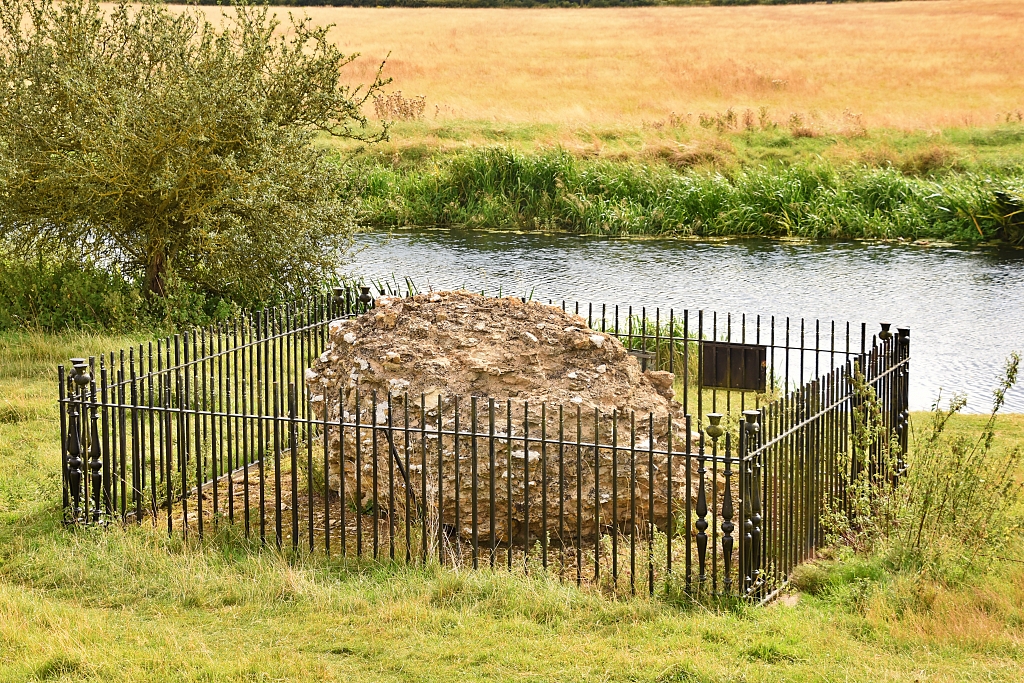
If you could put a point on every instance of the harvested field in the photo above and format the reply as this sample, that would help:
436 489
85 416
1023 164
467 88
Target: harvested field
904 65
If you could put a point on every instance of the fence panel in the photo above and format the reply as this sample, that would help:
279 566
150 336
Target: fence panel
218 427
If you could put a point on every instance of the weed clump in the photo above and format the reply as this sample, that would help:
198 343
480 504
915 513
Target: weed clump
956 504
396 107
936 539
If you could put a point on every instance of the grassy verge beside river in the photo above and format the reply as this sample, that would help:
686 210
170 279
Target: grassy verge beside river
862 120
694 189
130 604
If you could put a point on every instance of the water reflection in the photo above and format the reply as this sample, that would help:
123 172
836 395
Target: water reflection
963 306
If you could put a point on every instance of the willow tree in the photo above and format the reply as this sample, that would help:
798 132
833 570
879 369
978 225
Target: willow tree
158 142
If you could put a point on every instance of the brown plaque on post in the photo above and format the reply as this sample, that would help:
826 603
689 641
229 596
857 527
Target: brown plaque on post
734 366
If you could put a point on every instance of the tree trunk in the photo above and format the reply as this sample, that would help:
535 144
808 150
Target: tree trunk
156 271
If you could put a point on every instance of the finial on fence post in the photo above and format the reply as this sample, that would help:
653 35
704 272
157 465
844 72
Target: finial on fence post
885 333
338 300
365 298
82 376
714 429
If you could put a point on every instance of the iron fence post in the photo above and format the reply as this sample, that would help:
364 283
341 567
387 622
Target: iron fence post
714 430
95 461
727 513
74 462
904 397
752 428
80 380
62 384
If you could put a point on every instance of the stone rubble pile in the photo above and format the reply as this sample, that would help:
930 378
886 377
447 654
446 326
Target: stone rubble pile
419 364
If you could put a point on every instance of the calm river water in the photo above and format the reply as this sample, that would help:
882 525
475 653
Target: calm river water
965 308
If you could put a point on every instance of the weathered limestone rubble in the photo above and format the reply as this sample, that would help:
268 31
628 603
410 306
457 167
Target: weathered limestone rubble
419 361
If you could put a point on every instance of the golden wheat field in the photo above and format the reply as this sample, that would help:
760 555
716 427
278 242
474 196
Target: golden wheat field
928 64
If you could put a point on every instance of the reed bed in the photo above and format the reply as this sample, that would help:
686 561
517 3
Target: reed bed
500 187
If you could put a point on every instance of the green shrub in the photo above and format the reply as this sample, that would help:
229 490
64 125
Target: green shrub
960 500
58 293
957 506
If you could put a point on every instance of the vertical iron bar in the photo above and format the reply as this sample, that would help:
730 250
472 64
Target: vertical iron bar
293 448
359 475
579 496
440 480
526 485
278 531
650 502
615 496
475 482
375 474
597 496
544 484
632 502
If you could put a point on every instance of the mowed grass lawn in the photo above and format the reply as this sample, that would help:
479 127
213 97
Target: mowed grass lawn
130 604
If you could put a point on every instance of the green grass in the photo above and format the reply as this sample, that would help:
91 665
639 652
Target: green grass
131 604
500 187
698 181
992 149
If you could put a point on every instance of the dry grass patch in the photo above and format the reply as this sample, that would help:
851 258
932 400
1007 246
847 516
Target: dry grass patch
904 65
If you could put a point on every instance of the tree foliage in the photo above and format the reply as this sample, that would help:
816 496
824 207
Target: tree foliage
174 149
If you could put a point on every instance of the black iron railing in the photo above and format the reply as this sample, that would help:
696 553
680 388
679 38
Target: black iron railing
216 427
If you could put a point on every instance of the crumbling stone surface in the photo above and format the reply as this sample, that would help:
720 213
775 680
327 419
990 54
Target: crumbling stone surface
415 364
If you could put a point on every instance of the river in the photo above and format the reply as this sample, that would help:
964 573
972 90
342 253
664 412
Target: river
965 307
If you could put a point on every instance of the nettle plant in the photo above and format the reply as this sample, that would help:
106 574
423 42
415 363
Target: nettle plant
957 506
175 149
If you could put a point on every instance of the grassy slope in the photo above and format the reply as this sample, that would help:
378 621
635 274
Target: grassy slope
132 605
995 148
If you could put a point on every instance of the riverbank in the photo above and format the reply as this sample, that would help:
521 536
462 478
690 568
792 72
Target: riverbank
810 197
129 604
727 139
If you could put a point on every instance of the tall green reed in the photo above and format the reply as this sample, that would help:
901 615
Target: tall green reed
500 187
